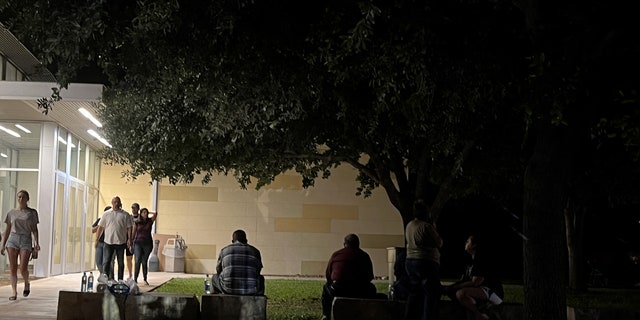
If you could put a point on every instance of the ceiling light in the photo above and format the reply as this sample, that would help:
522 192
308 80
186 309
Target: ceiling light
9 131
100 138
3 155
63 141
90 117
23 128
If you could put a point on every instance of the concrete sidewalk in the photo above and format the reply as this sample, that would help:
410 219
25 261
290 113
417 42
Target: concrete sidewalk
42 303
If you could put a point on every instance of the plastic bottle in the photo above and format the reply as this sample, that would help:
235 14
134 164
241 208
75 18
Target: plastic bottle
207 284
90 282
83 286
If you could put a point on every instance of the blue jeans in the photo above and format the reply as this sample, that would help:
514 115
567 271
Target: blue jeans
109 251
141 252
425 289
100 257
99 253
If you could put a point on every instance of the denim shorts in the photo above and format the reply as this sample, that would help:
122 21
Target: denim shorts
19 241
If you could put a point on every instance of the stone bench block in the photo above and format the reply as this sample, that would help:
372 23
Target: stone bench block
162 305
360 309
75 305
233 307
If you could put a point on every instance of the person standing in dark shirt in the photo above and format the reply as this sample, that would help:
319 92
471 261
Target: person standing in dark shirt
100 246
349 274
143 242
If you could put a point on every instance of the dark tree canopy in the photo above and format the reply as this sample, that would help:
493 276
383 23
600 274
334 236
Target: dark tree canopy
258 88
427 99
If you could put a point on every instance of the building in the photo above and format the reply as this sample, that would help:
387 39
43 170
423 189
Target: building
51 156
296 229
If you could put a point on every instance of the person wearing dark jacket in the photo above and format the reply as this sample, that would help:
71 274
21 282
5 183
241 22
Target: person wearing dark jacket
349 274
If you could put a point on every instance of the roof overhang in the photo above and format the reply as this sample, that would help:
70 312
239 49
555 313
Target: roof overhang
18 102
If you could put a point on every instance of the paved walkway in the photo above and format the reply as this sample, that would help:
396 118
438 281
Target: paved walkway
42 303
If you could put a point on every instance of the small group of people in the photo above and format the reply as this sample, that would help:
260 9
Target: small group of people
20 242
349 273
119 233
479 284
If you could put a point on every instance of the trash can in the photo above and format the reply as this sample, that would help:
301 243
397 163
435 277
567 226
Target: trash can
174 255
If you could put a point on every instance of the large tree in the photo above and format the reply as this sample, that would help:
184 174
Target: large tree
581 96
404 91
423 98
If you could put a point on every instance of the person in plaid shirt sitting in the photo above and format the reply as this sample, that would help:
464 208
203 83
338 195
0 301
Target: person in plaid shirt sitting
238 268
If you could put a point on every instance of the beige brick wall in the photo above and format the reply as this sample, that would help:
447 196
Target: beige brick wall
295 229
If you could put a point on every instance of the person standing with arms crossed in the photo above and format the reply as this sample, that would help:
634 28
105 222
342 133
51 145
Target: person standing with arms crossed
117 226
422 265
19 240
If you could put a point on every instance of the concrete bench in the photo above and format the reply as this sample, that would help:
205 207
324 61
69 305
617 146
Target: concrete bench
162 305
228 307
361 309
74 305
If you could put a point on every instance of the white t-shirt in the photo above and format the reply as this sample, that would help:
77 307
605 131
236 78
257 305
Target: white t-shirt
115 224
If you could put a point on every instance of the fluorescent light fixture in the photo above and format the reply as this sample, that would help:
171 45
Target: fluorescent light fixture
23 128
99 137
63 141
9 131
2 154
90 117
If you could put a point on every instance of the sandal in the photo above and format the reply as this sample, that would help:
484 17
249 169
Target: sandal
12 298
27 290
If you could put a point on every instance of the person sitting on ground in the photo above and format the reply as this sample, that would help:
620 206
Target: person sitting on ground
238 268
479 283
349 274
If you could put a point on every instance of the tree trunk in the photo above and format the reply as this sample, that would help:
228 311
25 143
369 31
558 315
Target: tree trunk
574 221
543 227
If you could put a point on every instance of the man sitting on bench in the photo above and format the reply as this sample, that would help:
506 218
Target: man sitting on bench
349 274
239 266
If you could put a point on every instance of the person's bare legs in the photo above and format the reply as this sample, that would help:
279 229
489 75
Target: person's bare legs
24 270
130 266
13 267
469 296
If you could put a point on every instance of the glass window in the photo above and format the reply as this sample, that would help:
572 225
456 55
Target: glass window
94 168
10 72
82 160
62 150
75 155
19 145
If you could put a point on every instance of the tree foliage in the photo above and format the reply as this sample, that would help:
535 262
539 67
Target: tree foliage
427 99
256 88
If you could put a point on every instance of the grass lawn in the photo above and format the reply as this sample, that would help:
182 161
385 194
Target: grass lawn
300 298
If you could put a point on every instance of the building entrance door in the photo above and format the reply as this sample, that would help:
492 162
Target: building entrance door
69 234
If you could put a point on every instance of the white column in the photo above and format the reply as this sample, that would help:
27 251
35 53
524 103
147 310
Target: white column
46 198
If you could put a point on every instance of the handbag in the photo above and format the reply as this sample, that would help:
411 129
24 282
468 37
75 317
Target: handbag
34 254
